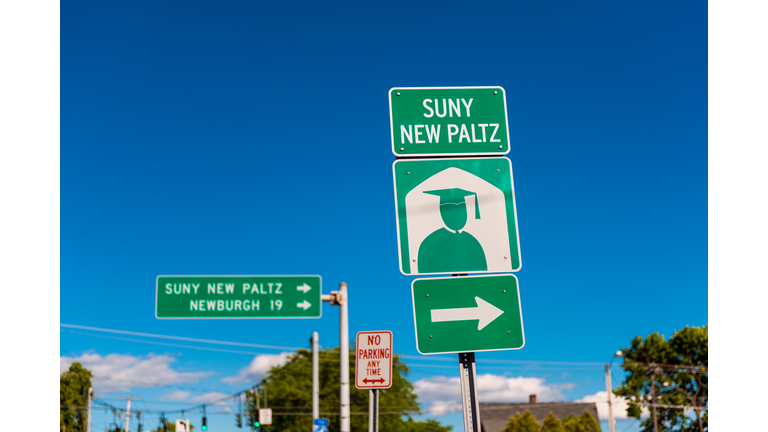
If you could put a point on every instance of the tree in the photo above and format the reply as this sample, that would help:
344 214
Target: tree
288 389
523 423
73 393
552 424
677 370
582 423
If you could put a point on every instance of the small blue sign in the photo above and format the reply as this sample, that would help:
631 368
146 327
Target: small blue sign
321 422
318 428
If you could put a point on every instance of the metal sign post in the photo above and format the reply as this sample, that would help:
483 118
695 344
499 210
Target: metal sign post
373 411
469 402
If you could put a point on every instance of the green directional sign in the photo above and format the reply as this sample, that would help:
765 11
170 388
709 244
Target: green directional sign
457 121
456 216
238 297
463 314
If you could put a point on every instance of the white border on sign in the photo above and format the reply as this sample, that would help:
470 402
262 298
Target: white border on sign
392 127
519 305
227 318
397 218
391 357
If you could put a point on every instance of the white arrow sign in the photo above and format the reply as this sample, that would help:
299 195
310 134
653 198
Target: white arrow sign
304 288
484 313
306 305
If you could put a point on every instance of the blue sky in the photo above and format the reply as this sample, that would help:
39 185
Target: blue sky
246 138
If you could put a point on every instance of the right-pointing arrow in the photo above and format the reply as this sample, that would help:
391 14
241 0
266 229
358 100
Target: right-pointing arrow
306 305
484 313
303 288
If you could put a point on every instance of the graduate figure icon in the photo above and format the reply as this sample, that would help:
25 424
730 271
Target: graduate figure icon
449 248
456 216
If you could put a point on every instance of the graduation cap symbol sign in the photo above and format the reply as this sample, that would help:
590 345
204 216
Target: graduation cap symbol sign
441 225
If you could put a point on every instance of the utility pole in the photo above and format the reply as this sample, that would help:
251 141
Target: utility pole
609 389
339 298
128 410
315 377
90 400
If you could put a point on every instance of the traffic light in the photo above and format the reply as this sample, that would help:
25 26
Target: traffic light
239 420
205 424
254 417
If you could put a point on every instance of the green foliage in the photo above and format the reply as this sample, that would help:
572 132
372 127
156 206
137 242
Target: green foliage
290 388
552 424
523 423
582 423
73 392
679 370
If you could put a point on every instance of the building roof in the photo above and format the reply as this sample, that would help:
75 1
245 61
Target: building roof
495 416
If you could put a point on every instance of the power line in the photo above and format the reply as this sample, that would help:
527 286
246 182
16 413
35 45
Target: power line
210 341
164 343
669 406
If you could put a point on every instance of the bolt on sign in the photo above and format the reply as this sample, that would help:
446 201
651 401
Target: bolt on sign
467 314
373 367
238 297
456 216
458 121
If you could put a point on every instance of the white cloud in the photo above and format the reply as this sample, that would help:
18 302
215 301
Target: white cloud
175 396
444 394
619 405
210 397
153 369
257 368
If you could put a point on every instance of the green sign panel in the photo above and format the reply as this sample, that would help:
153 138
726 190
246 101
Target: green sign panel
463 314
240 297
457 121
456 216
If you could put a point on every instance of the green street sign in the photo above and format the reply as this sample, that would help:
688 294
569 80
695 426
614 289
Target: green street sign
456 121
456 216
463 314
238 297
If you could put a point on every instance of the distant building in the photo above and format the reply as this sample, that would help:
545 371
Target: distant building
495 416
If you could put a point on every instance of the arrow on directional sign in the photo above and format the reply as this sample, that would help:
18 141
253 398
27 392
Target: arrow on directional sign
306 305
304 288
484 313
380 380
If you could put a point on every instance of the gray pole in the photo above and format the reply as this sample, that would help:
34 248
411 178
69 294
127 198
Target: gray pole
315 377
90 400
609 389
373 410
344 353
370 410
469 401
